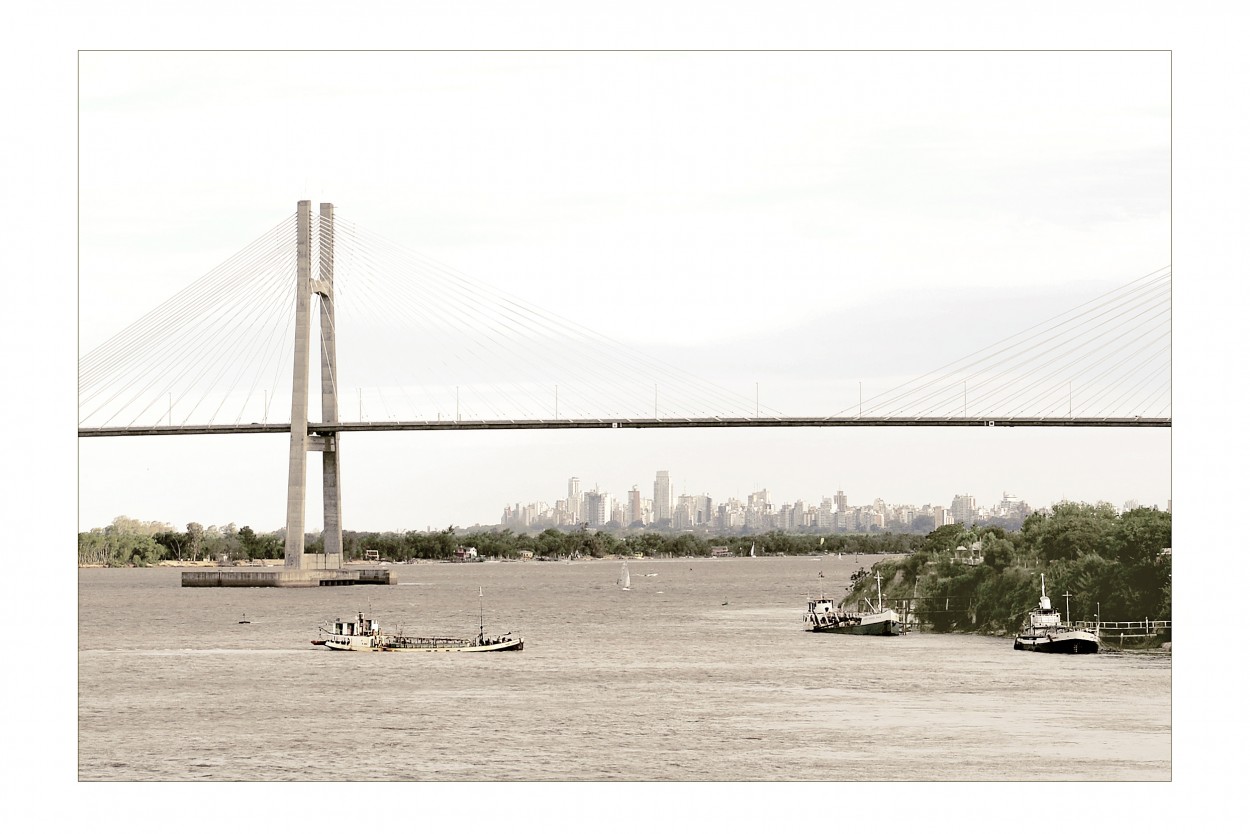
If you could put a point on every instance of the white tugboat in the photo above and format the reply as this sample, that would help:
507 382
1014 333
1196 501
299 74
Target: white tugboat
1044 631
824 616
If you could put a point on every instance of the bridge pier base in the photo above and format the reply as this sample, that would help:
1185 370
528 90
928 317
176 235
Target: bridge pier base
311 578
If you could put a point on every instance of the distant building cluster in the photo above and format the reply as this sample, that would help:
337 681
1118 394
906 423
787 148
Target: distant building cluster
662 510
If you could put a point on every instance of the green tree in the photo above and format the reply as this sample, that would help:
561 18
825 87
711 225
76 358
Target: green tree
195 540
249 543
1069 531
946 538
997 553
172 542
1141 536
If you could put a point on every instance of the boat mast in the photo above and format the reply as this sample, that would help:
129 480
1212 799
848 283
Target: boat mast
481 615
879 608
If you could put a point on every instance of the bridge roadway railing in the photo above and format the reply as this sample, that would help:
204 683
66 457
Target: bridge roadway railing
636 423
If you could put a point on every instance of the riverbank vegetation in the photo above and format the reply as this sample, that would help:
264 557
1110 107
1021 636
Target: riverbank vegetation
1115 566
130 542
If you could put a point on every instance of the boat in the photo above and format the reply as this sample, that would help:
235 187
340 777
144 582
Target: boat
623 580
365 635
824 616
1045 631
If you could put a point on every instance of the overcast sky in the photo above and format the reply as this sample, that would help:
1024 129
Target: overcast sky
869 215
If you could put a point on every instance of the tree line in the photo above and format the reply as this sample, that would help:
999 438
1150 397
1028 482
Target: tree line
130 542
1116 566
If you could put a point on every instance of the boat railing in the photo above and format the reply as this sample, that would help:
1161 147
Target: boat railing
427 642
1126 627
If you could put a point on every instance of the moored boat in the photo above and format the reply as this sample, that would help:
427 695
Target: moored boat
365 635
1045 631
824 616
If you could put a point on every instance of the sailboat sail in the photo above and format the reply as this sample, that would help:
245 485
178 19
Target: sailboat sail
752 550
624 579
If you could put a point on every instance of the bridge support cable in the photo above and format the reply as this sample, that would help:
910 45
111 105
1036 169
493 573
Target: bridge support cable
592 370
1019 344
437 330
1098 349
1020 364
1130 368
471 322
1062 361
374 322
1081 346
222 281
100 366
190 345
196 357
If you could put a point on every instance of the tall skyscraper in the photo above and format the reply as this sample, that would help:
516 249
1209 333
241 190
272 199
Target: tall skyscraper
575 498
663 501
598 508
839 501
964 509
635 506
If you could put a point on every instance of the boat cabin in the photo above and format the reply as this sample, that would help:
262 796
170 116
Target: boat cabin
820 606
358 628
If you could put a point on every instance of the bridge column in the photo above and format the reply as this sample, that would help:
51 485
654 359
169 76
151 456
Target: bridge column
301 443
331 503
298 469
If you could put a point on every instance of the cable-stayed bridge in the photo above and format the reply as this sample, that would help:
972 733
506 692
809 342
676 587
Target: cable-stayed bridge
409 344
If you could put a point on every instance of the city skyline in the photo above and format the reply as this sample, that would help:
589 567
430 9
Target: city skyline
601 508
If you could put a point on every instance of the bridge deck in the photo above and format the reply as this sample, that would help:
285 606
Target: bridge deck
640 423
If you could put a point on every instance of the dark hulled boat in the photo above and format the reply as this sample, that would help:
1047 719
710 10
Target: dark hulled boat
1044 631
824 616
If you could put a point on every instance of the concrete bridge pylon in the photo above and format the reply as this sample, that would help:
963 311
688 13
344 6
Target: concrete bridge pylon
302 443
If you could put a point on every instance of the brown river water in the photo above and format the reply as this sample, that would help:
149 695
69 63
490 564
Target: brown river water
702 672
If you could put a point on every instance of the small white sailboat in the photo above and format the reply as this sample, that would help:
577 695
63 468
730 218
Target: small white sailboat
752 550
623 581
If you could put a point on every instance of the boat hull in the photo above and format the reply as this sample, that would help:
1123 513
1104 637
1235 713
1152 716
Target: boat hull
428 645
888 628
885 624
507 646
1070 642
